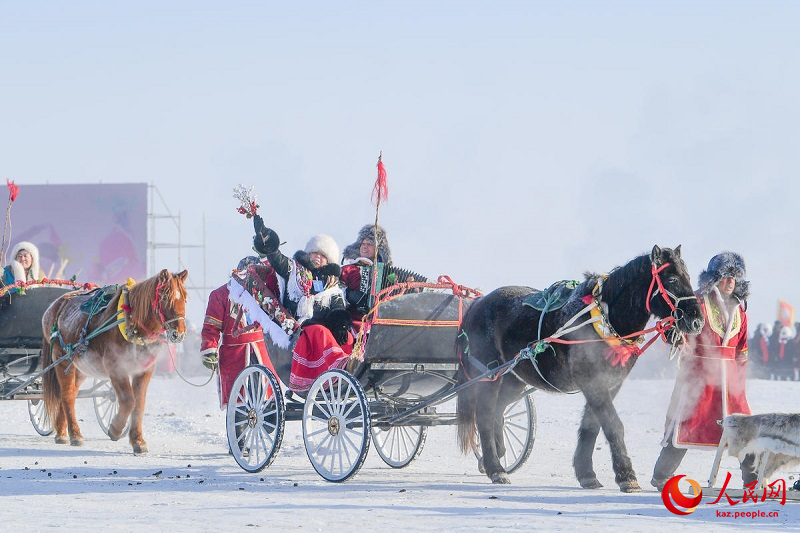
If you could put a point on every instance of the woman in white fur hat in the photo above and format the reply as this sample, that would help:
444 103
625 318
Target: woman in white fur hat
24 266
308 284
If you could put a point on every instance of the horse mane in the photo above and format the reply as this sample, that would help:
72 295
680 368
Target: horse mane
140 299
621 278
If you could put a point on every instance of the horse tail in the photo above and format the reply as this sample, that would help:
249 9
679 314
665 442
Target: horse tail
466 414
51 389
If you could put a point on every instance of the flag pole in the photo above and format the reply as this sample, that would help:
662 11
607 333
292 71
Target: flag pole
380 192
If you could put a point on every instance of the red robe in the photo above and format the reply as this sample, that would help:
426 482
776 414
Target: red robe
234 352
711 380
316 351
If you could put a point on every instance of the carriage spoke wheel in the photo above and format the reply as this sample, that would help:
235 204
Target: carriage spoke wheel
398 446
255 418
336 425
39 418
106 406
519 432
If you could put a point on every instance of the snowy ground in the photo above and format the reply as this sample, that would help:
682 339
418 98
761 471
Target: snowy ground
189 483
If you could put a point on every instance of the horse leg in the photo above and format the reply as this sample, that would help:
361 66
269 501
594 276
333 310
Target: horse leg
587 438
600 400
582 460
125 399
140 384
509 392
488 394
70 385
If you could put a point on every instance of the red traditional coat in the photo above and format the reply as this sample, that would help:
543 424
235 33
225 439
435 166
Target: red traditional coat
711 380
316 351
234 352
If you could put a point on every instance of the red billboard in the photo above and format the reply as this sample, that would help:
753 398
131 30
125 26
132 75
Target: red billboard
99 230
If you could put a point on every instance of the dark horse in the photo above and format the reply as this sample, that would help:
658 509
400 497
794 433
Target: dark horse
502 324
99 348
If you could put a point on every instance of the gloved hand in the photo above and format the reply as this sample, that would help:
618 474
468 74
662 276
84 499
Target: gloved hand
338 322
265 240
211 361
675 337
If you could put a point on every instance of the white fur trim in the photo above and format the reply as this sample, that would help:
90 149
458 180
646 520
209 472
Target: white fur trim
16 267
324 244
237 294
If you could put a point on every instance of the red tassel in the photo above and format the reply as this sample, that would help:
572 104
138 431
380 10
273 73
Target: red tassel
13 190
380 193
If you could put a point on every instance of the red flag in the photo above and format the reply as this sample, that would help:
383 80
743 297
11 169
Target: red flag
13 190
380 193
785 313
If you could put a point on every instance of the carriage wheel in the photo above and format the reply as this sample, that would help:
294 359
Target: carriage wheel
519 432
255 418
336 425
39 418
106 405
398 446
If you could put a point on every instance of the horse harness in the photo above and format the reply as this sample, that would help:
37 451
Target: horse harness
598 317
120 319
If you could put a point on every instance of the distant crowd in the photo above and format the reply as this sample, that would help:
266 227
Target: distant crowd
774 352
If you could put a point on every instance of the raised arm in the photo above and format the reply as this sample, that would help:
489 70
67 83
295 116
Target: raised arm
266 243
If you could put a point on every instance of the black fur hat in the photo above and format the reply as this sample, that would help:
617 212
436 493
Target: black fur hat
725 265
368 233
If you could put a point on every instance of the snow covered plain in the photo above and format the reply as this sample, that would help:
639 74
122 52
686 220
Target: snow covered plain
188 482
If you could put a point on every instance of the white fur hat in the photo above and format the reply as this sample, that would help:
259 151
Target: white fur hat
19 274
325 245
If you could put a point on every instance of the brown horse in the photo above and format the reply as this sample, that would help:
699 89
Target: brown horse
112 341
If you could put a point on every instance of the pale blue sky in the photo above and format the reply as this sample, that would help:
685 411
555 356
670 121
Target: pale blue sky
525 142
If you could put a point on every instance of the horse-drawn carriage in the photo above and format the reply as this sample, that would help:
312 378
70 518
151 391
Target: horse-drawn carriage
425 348
400 389
21 310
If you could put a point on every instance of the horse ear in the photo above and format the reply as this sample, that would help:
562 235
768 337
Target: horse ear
163 275
182 275
655 255
678 251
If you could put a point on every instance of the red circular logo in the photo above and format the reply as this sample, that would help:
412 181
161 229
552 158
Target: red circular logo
671 489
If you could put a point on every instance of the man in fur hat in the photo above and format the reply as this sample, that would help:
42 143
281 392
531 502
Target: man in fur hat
219 347
365 245
25 265
360 254
710 384
308 286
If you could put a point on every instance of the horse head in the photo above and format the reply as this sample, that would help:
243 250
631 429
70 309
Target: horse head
671 292
170 304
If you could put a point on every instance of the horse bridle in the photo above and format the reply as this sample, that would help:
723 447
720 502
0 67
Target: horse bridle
171 333
672 300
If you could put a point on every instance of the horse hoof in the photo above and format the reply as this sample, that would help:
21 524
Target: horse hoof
590 483
501 478
139 448
76 442
62 440
630 486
